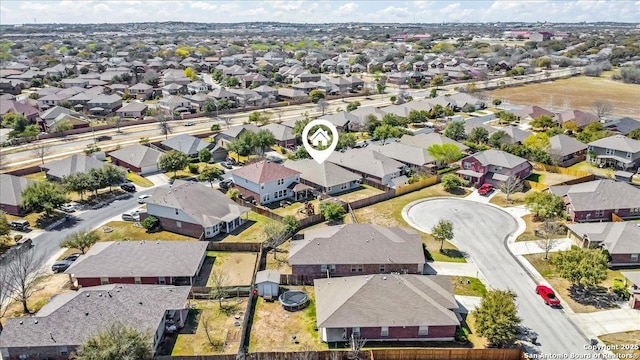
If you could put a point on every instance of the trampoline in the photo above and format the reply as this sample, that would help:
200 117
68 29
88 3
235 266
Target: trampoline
294 300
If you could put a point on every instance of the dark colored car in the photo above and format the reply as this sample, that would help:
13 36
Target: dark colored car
72 257
61 265
485 189
20 225
225 184
103 138
547 294
128 187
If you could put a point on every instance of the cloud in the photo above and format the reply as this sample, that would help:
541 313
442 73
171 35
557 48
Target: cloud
348 8
201 5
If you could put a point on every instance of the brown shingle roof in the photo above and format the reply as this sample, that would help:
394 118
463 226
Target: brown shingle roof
264 171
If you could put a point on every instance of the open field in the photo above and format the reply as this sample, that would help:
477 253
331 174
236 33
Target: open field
273 327
580 92
624 339
124 230
238 266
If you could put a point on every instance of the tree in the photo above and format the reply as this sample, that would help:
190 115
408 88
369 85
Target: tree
544 205
173 160
191 74
436 81
96 180
81 240
43 196
548 230
21 271
602 108
299 126
204 155
455 130
386 131
543 122
479 135
219 282
451 182
61 126
538 142
5 229
496 102
112 175
260 117
210 174
5 294
41 151
322 105
10 119
300 153
274 234
263 139
443 231
634 134
544 62
497 138
164 126
77 182
582 267
513 184
345 141
316 95
353 105
116 342
497 317
332 211
291 223
506 117
446 153
380 88
150 222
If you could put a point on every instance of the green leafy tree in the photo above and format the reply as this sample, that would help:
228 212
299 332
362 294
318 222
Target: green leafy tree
5 229
479 135
291 223
77 182
380 88
451 182
96 180
386 131
506 117
544 205
497 102
497 317
582 267
263 139
442 231
455 130
232 81
243 145
233 193
10 118
191 74
81 240
316 95
61 126
204 155
113 175
543 122
116 342
150 222
446 153
209 106
537 142
634 134
298 127
437 80
332 211
210 174
43 196
173 160
353 105
497 138
346 140
418 116
301 153
260 117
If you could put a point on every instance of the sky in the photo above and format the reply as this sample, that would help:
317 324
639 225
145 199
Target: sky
318 11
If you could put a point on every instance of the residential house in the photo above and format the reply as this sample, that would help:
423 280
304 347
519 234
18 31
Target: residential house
528 113
174 104
11 188
139 262
369 164
196 210
104 104
233 133
79 82
566 151
141 91
416 158
56 170
386 308
282 133
598 200
634 288
343 120
51 100
76 122
577 117
28 111
493 167
514 135
327 178
357 249
174 76
266 182
462 99
617 151
137 158
427 140
619 239
267 91
197 86
68 320
622 126
287 94
173 89
136 110
187 144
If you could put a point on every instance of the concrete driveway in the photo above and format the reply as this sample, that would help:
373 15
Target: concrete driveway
481 230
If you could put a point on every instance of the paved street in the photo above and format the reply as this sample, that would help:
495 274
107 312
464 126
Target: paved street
481 231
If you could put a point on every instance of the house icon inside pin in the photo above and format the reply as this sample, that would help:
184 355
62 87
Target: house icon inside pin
320 138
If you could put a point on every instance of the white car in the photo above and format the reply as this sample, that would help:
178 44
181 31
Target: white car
142 198
68 207
133 215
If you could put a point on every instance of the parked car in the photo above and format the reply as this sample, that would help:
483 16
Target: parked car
225 184
128 187
61 265
485 189
231 161
547 294
131 215
20 225
103 138
142 198
68 207
189 123
226 165
72 257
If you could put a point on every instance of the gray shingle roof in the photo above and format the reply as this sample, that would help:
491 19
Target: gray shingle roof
268 276
11 188
498 158
140 259
70 319
72 165
357 244
385 300
600 195
405 153
263 171
132 106
342 119
426 140
203 204
186 143
137 155
618 142
366 161
280 132
618 237
564 145
326 174
235 131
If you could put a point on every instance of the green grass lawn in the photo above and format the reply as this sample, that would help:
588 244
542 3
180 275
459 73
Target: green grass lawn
139 180
516 199
587 167
249 232
363 192
294 209
124 230
39 176
468 286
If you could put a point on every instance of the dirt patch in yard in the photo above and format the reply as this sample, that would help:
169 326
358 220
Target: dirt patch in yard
238 266
629 339
549 178
46 287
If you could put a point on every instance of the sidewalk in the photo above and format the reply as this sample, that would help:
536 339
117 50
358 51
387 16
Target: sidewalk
607 321
534 247
468 269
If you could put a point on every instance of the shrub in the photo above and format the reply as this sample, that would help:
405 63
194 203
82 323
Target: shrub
150 222
17 237
194 168
215 127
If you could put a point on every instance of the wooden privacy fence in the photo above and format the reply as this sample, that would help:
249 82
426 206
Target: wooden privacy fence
560 170
259 210
404 189
357 204
234 246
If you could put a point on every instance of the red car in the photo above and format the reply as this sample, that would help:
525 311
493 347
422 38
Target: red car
547 295
485 189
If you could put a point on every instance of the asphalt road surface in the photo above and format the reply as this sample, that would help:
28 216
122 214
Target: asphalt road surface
481 230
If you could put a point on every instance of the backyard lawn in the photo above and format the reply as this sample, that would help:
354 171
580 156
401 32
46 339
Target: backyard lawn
192 339
279 260
124 230
294 209
587 167
273 327
238 266
364 191
251 231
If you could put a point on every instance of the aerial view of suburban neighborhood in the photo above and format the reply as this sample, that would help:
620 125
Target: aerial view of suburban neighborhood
319 180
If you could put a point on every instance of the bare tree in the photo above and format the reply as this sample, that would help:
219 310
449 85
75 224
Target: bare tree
41 151
227 120
279 112
275 234
164 126
513 184
5 294
322 105
357 343
21 271
214 341
566 104
219 282
602 108
548 230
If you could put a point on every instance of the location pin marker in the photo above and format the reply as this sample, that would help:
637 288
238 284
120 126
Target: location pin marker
320 138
